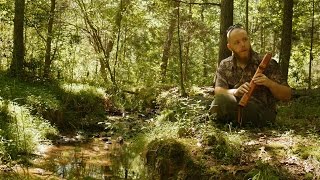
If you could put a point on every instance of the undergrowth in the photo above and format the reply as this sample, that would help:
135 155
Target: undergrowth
68 106
20 131
32 112
186 120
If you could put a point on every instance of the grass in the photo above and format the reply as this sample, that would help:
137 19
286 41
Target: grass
69 106
280 151
31 112
21 132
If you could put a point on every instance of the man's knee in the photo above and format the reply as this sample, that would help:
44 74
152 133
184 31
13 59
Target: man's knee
224 106
222 99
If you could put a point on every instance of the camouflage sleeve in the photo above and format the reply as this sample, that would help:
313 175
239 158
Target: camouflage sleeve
221 80
274 73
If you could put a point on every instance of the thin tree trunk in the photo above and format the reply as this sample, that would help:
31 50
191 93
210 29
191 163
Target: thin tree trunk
262 44
205 56
16 68
226 20
274 45
286 34
182 89
168 42
119 21
311 47
247 16
48 59
187 54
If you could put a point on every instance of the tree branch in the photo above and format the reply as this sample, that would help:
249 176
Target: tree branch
195 3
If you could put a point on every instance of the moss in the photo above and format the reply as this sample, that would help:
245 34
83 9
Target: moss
169 159
222 149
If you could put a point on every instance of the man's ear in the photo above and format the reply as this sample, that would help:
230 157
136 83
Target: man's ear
228 45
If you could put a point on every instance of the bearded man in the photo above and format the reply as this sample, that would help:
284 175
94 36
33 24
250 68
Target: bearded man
232 81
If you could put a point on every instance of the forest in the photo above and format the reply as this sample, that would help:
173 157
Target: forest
121 89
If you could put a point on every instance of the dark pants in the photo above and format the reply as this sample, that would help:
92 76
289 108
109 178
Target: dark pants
254 114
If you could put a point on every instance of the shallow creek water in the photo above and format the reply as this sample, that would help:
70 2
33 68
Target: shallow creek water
100 158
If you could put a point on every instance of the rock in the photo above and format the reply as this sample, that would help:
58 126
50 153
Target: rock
120 140
96 148
106 146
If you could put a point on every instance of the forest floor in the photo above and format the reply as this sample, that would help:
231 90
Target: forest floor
177 138
287 149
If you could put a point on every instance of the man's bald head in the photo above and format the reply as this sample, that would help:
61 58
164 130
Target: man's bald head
239 42
234 28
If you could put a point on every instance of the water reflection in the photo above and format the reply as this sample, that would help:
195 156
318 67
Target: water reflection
97 159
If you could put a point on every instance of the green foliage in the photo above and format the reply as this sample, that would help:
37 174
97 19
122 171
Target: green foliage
301 113
138 98
308 151
222 148
82 105
191 108
264 171
66 105
20 131
135 60
40 99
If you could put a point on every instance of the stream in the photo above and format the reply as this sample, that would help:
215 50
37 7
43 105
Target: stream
98 158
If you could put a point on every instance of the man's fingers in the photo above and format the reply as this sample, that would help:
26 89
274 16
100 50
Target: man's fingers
246 86
259 75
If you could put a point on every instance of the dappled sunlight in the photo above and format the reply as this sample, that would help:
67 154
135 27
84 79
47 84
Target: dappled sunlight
76 88
21 131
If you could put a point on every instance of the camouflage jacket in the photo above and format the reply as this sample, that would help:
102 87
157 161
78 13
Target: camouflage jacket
230 76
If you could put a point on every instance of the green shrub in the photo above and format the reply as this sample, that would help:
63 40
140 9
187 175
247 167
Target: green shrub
20 131
82 104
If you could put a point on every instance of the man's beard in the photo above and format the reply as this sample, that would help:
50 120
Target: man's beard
243 58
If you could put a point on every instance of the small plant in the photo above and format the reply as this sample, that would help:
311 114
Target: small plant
264 171
222 148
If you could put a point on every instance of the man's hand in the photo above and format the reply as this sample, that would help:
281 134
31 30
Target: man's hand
262 79
279 91
244 88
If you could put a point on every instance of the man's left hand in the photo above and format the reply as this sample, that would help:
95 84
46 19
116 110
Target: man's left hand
261 79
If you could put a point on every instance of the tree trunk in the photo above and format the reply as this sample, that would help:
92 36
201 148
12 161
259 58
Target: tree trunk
16 68
48 59
311 47
226 20
274 45
247 16
262 44
187 54
182 89
285 49
205 56
168 42
118 22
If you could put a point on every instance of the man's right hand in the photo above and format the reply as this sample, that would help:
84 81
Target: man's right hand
244 88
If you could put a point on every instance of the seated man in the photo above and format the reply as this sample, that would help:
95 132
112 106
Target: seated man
232 81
